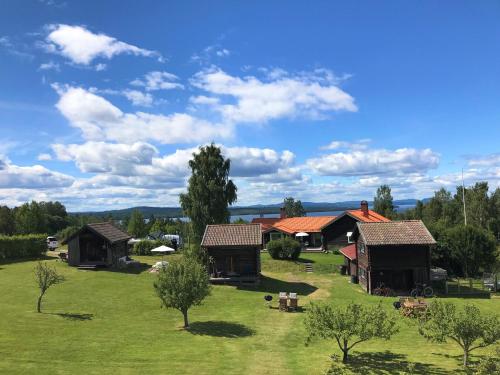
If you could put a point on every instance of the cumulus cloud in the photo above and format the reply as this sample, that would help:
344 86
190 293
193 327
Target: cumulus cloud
98 120
82 46
158 81
139 98
374 162
287 96
492 160
361 144
31 177
44 157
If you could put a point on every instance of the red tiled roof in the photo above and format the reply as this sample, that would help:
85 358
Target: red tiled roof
308 224
372 216
232 235
265 222
349 251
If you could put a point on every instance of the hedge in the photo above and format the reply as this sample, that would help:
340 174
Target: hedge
285 248
22 246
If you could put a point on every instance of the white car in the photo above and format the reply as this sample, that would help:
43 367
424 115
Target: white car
52 243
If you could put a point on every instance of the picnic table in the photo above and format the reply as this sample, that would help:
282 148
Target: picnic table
411 307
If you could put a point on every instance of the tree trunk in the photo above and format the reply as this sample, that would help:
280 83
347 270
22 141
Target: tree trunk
466 357
344 357
186 323
39 304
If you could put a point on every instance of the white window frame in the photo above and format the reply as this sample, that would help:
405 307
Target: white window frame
362 273
362 249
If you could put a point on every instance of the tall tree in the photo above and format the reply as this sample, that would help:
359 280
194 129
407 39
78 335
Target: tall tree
136 226
349 325
210 191
30 218
7 225
383 202
183 284
293 208
468 327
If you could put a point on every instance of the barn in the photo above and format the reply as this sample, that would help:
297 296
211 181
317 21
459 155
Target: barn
97 245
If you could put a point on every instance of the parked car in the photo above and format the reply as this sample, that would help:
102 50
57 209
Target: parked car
52 243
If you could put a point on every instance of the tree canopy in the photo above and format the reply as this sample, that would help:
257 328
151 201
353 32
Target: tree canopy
183 284
210 191
45 276
136 226
293 208
383 202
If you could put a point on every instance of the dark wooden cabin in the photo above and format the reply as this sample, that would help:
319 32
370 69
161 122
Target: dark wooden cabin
396 253
233 251
336 233
97 244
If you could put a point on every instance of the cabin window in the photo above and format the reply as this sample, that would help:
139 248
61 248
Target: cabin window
362 248
362 273
275 236
349 237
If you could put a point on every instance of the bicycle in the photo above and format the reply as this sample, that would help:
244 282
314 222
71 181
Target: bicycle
422 290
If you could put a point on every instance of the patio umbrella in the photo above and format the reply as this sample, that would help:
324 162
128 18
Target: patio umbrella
301 234
163 250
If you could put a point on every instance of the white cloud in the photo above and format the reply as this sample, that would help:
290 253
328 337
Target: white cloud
284 97
158 81
222 52
44 157
82 46
203 100
361 144
205 56
253 162
31 177
374 162
139 98
98 120
492 160
51 65
100 67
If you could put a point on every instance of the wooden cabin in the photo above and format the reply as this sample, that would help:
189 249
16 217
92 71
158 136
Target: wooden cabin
336 234
97 244
396 253
233 252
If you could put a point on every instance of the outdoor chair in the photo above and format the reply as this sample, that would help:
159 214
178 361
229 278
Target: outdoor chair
63 257
283 301
293 301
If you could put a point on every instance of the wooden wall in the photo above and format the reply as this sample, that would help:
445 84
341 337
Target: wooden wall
74 251
335 234
246 259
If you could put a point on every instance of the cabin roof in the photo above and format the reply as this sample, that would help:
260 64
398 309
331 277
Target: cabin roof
224 235
265 222
105 230
308 224
405 232
370 217
349 251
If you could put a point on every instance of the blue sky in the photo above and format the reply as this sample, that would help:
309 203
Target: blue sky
102 103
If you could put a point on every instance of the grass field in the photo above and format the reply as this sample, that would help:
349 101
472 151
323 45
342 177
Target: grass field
100 322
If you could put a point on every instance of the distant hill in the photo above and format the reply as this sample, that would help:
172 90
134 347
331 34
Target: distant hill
257 209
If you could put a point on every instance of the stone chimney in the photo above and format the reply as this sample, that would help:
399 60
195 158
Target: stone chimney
282 213
364 208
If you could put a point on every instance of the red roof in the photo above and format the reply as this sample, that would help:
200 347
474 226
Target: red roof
307 224
265 222
371 217
349 251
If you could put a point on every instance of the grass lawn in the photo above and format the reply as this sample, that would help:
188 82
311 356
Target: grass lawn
102 322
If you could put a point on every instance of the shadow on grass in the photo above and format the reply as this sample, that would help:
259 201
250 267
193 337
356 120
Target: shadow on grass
134 269
270 285
388 362
74 316
218 328
474 358
12 261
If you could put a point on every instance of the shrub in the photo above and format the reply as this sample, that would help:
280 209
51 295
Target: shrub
22 246
285 248
145 246
66 233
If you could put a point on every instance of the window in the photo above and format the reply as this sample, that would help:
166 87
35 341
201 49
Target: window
275 236
362 273
349 237
361 247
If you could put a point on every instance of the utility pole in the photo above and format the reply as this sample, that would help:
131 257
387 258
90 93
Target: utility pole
463 197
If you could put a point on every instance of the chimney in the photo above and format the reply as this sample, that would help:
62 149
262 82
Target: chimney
282 213
364 208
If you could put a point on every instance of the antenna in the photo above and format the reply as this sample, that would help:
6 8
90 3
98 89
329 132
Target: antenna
463 197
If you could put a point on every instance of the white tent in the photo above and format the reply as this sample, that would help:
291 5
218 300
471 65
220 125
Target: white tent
163 249
301 234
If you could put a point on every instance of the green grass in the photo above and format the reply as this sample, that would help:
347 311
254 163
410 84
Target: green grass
111 322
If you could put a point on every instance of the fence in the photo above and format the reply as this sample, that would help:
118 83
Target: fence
463 287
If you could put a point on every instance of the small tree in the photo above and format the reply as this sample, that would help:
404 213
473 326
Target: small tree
467 327
293 208
349 325
383 202
136 226
182 285
46 276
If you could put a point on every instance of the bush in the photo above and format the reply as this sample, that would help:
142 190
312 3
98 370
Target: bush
285 248
145 246
66 233
22 246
